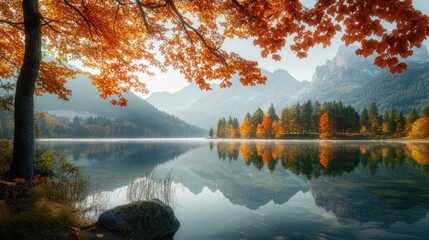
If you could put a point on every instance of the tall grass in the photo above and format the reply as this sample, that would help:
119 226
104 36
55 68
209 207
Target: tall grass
151 186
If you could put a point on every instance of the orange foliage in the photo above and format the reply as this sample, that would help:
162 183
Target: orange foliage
325 126
121 39
363 130
264 129
420 128
420 153
325 155
260 131
265 153
277 129
363 150
277 150
233 133
246 151
246 128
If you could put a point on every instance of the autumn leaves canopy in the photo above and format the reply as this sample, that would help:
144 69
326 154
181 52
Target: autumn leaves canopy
120 38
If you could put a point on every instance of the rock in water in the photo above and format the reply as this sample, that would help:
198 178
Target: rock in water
150 219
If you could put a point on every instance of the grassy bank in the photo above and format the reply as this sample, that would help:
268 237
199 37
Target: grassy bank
46 210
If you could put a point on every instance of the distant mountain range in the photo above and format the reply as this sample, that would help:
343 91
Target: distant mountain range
357 81
205 108
347 77
147 121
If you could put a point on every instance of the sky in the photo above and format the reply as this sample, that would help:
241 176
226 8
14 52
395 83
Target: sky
301 69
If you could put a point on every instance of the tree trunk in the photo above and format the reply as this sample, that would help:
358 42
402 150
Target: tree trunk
24 136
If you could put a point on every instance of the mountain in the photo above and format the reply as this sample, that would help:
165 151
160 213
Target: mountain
349 78
357 81
205 108
85 102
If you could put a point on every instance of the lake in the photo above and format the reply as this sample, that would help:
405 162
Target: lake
265 189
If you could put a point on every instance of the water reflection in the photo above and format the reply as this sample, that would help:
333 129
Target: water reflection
115 163
314 159
271 189
358 182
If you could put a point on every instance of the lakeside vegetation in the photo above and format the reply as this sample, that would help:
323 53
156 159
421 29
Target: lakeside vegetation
47 209
327 120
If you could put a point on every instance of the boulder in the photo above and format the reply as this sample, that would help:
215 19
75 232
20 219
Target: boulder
150 219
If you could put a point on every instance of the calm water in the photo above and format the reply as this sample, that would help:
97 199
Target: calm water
266 189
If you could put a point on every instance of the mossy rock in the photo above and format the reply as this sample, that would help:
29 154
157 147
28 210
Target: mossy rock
150 219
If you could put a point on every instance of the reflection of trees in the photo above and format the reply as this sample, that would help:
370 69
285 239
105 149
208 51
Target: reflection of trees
228 150
394 194
358 182
260 154
325 158
419 153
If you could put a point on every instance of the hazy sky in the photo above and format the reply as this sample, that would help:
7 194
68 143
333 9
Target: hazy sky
301 69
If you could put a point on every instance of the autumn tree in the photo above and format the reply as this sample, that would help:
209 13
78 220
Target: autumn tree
118 39
246 128
233 128
277 129
325 126
264 129
420 128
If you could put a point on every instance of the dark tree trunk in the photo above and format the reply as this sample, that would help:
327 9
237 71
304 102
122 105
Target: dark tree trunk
24 136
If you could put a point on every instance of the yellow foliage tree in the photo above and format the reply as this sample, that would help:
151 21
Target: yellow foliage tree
246 128
277 129
420 128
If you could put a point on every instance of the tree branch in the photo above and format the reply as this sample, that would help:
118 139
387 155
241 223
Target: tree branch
143 13
89 23
13 24
48 22
185 24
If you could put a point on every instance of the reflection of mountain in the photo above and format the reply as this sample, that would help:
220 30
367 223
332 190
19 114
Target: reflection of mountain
358 182
119 162
241 184
390 196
